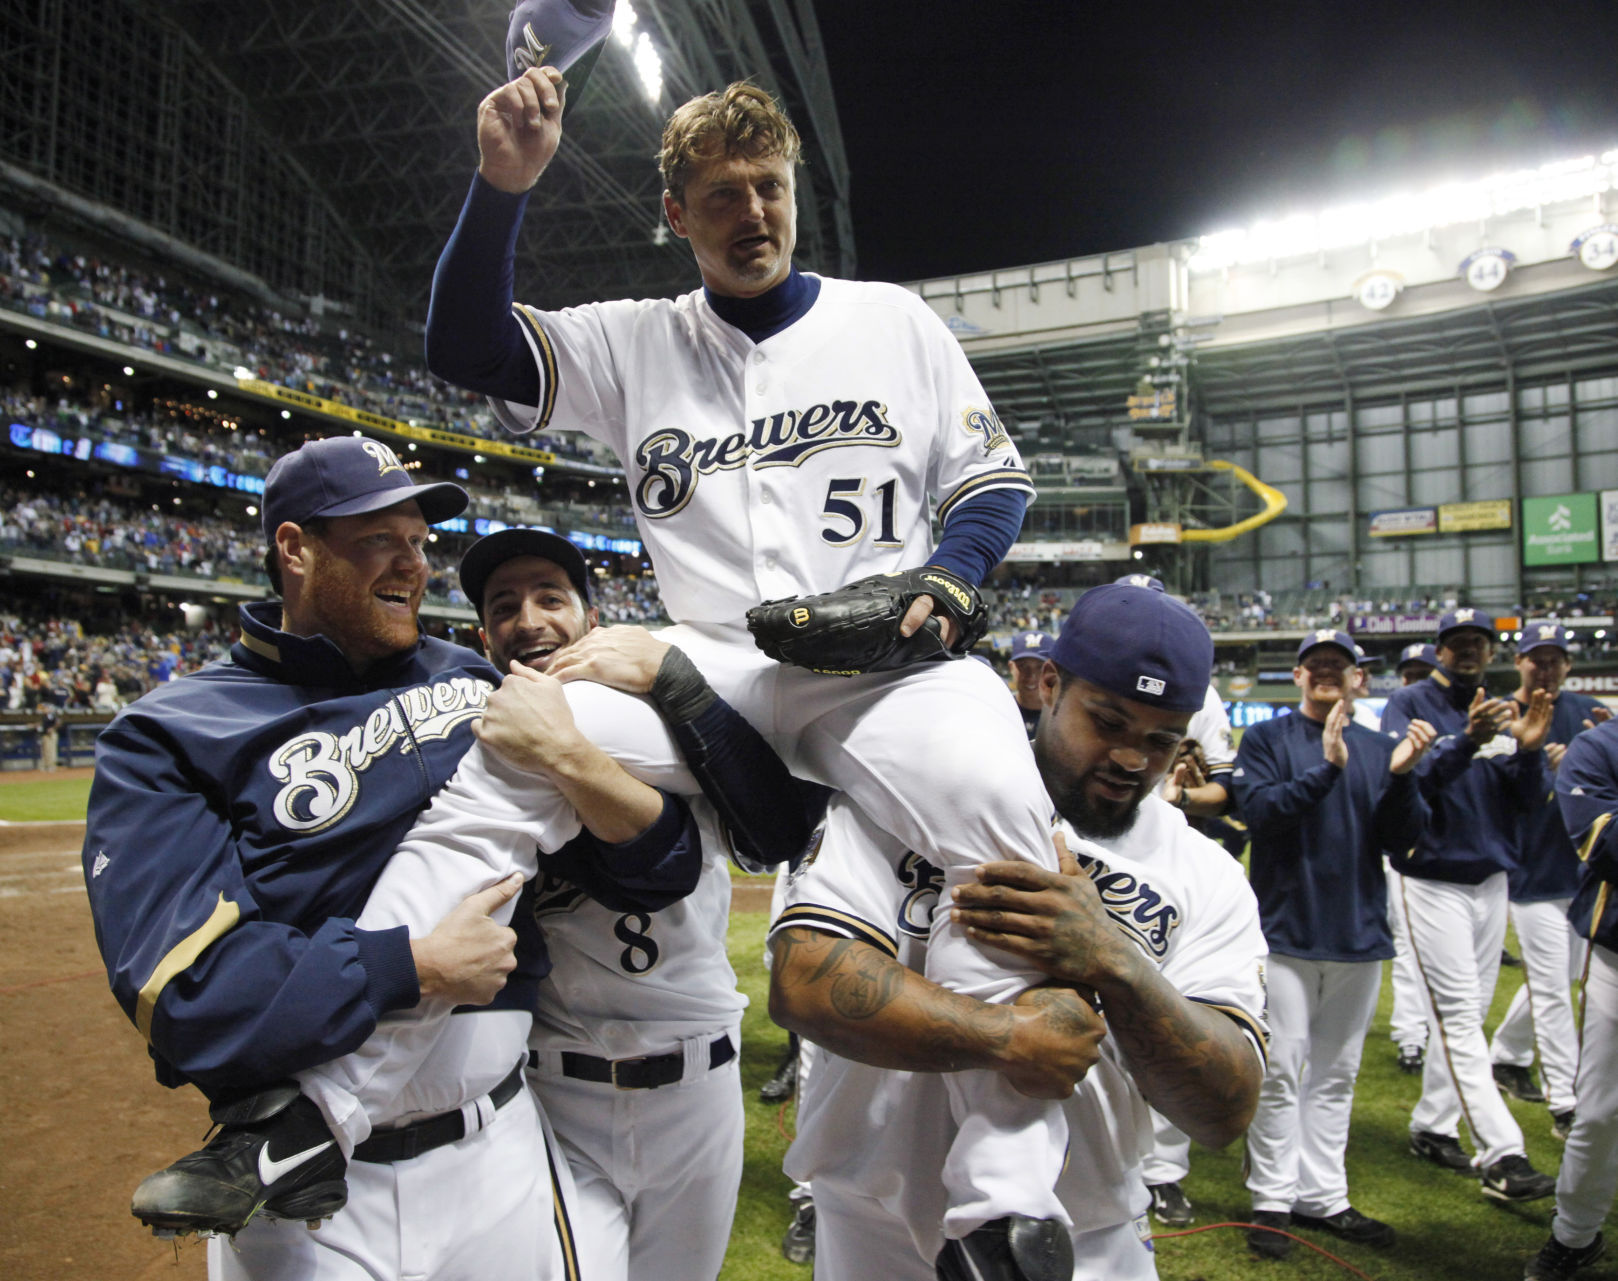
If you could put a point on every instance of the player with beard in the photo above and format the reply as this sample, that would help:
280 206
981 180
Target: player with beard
1323 797
1149 921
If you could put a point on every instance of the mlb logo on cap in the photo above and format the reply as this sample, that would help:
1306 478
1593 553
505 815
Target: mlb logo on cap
1150 685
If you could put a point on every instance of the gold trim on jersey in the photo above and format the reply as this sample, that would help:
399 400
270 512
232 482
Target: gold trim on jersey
1588 844
262 648
182 954
1004 478
547 366
1252 1028
830 920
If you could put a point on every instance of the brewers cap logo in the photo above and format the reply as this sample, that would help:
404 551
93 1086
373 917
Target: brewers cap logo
1323 634
1464 615
386 459
533 52
1150 685
1549 631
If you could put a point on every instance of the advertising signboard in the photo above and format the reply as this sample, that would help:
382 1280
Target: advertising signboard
1560 530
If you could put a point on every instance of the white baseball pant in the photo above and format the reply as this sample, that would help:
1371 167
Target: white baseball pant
1319 1013
1456 932
655 1172
1541 1012
1408 1024
856 1239
1589 1175
481 1209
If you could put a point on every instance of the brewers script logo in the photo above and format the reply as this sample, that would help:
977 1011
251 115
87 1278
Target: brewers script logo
321 771
1141 911
674 460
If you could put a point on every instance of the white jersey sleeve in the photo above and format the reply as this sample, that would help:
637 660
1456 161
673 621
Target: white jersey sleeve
1210 726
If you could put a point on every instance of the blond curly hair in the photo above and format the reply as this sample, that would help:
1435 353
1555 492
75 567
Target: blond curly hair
740 120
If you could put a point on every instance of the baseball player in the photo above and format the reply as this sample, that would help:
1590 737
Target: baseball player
603 945
451 1098
784 434
1587 794
1486 769
1407 1025
634 1053
1029 651
239 818
1323 797
1170 936
1540 887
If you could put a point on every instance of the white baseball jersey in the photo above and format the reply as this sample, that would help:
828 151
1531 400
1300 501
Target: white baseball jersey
1211 728
488 821
782 468
1192 913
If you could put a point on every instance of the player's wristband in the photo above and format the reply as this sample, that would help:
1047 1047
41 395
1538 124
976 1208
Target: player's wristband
680 691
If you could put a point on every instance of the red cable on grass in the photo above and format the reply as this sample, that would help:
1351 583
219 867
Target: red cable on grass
1191 1232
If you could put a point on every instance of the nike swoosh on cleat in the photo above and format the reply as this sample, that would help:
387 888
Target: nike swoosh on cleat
269 1171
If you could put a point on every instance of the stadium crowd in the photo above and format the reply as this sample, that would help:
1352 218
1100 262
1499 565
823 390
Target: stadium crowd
305 354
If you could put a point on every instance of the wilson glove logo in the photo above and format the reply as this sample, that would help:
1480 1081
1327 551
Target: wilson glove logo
321 771
952 590
674 461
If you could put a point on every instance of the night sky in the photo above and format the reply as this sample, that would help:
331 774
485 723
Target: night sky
998 133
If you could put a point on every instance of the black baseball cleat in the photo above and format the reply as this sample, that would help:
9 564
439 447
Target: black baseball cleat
272 1155
1412 1058
1517 1082
1350 1225
1512 1178
784 1084
1558 1262
798 1245
1170 1205
1014 1248
1267 1236
1562 1124
1442 1149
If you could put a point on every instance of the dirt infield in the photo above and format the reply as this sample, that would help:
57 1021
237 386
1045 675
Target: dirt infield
81 1119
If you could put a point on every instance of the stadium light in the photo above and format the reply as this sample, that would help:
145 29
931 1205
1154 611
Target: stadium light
642 53
1359 223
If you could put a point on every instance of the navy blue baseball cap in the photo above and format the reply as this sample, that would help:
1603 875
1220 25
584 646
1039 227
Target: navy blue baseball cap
565 34
1466 618
1331 636
493 550
1416 652
1142 580
1138 643
1031 645
349 476
1544 631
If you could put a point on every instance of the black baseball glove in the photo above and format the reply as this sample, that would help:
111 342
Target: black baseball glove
855 629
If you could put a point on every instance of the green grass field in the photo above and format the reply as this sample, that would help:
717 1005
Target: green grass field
1447 1229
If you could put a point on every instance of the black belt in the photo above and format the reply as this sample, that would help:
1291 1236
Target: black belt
434 1132
644 1073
